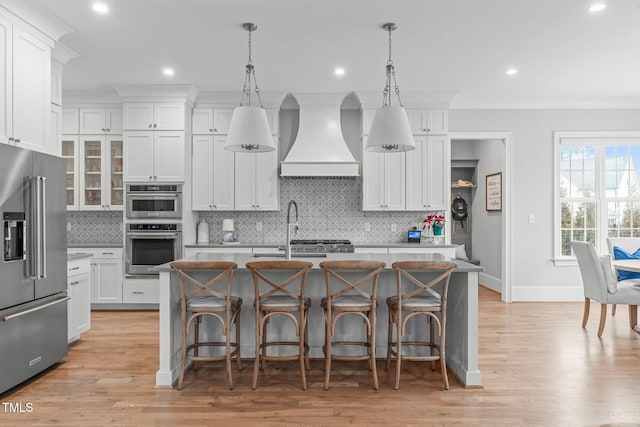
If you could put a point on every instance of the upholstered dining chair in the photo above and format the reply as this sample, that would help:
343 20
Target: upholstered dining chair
601 285
628 244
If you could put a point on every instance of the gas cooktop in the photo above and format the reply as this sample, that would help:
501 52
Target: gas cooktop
319 246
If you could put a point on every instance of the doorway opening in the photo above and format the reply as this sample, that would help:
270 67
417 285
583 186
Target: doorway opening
476 157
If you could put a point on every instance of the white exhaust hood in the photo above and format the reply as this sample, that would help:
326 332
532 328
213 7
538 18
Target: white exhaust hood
319 150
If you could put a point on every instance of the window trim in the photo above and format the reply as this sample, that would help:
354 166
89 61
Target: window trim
596 138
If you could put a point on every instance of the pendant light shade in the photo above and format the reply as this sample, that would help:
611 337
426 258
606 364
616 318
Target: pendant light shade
249 130
390 130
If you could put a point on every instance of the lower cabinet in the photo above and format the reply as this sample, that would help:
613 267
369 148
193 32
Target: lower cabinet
141 291
106 275
79 304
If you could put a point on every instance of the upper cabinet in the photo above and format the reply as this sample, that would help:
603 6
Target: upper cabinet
100 120
25 88
154 116
256 181
431 121
207 121
101 166
427 184
383 181
423 121
213 174
154 156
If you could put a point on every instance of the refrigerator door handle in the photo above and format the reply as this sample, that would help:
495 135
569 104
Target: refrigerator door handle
38 262
33 310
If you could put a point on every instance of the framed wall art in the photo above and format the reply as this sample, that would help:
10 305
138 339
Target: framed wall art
494 192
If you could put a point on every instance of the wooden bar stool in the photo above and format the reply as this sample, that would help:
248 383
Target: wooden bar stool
282 298
348 299
419 298
202 299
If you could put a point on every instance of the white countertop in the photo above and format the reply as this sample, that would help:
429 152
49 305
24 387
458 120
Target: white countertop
355 244
242 259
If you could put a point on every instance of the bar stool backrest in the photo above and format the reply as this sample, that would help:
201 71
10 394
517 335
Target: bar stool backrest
331 272
299 271
404 269
219 270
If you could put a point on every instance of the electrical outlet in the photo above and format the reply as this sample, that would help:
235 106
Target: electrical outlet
394 228
532 219
259 226
367 227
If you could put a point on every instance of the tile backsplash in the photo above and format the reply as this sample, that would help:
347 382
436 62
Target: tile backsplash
94 227
328 209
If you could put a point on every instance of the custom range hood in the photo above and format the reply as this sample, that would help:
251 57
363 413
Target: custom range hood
319 149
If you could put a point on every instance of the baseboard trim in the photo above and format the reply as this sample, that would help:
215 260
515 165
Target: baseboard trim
491 282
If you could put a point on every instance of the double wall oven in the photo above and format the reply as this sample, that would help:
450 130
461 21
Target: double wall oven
153 233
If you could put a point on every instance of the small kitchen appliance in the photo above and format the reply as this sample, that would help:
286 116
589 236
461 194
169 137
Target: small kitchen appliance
414 236
228 229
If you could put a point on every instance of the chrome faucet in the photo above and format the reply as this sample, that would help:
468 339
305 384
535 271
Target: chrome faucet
287 248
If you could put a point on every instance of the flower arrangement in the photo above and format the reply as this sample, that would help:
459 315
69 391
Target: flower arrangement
434 220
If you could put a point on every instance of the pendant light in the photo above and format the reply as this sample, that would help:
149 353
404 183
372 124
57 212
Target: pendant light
390 130
249 129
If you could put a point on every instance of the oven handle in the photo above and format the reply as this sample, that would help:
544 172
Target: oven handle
154 196
153 235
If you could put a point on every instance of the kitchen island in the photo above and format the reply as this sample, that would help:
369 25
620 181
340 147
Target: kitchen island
462 311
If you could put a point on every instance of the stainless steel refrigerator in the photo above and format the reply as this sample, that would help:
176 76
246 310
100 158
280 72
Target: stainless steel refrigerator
33 307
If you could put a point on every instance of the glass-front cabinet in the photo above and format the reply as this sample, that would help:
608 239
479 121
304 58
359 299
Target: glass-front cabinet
70 154
101 186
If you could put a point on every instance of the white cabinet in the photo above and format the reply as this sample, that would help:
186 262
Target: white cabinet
101 168
100 120
383 181
213 174
69 152
106 275
449 252
426 166
25 88
423 121
432 121
154 156
141 291
71 121
207 121
55 128
79 292
256 181
154 116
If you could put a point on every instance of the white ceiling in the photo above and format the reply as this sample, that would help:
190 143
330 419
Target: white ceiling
565 55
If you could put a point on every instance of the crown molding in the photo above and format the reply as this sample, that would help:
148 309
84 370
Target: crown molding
156 93
37 17
231 99
63 53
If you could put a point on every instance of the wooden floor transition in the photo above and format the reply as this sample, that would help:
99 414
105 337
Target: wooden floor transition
539 367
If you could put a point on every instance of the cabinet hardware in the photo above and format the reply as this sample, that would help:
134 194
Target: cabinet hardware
107 253
17 140
215 129
104 130
11 138
74 268
150 125
155 125
108 130
210 130
138 293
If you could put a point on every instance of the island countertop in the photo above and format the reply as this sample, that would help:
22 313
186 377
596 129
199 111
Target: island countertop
243 258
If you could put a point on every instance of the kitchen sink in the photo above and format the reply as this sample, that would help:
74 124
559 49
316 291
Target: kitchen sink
281 255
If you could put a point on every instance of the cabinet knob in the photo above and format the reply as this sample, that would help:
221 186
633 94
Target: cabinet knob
150 178
17 140
104 130
11 138
138 293
108 129
210 130
215 129
155 177
150 125
155 125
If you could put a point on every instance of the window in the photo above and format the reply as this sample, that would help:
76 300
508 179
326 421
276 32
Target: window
597 190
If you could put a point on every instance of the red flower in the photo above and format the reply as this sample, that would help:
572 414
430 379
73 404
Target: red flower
435 218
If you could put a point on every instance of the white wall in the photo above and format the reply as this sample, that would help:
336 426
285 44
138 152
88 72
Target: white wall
534 277
486 232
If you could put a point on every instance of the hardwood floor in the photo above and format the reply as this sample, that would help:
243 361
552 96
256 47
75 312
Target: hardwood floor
539 367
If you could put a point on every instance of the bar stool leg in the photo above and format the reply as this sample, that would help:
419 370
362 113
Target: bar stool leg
327 344
227 358
301 351
306 341
443 361
398 350
196 340
238 355
256 362
184 352
263 362
387 363
432 341
372 349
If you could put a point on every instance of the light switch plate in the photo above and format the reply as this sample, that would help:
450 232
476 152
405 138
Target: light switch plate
367 226
532 219
258 225
394 228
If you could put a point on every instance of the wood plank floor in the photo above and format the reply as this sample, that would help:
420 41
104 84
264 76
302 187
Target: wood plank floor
539 368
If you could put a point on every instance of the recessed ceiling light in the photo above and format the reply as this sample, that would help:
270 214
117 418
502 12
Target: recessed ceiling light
168 71
100 7
597 7
339 71
512 72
